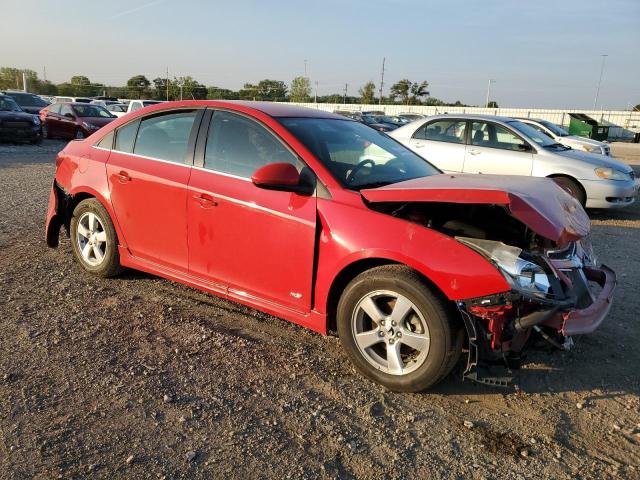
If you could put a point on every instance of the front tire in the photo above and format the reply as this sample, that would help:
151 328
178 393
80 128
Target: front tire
396 330
94 239
573 188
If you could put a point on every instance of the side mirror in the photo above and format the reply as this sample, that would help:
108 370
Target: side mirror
281 176
524 147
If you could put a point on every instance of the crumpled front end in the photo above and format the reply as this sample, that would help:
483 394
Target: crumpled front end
556 293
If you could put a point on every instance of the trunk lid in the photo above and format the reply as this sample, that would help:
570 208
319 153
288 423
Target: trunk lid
539 203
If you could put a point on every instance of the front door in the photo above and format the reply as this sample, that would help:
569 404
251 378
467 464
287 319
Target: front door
442 143
495 149
260 243
148 172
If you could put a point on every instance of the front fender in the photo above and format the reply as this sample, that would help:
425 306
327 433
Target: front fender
349 234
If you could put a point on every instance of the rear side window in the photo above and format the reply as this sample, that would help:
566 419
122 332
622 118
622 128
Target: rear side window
450 131
166 136
239 146
125 136
55 108
106 142
65 109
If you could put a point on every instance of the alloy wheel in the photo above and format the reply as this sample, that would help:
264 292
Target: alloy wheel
390 332
92 239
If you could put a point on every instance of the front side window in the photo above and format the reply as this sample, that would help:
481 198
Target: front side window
165 136
239 146
356 155
86 111
486 134
527 130
450 131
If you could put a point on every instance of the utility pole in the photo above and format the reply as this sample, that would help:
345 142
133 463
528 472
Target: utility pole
316 94
344 98
24 81
489 92
44 73
381 81
595 101
181 84
305 68
167 84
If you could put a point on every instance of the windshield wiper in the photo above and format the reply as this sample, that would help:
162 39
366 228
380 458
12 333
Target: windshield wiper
558 145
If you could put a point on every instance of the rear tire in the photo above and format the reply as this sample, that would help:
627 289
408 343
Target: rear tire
572 187
94 239
414 342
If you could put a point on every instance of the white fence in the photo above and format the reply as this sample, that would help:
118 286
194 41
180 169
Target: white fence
623 124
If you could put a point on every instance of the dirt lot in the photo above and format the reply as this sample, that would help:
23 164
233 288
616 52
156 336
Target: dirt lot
140 377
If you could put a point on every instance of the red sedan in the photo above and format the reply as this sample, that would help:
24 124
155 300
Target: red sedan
328 223
73 120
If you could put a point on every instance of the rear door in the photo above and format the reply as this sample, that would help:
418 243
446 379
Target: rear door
496 149
52 119
258 242
442 143
148 172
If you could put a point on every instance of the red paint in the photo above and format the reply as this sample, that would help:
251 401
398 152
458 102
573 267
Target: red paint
274 250
496 317
276 174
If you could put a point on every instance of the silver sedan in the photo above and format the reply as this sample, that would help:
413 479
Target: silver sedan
506 146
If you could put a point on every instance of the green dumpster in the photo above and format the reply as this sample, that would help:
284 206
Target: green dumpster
585 126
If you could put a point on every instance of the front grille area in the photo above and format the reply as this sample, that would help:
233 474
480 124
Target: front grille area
16 124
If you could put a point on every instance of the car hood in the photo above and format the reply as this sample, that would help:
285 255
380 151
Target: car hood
32 110
582 140
15 116
99 121
539 203
595 159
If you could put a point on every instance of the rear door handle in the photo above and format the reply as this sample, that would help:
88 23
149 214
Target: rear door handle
475 152
123 177
419 145
205 201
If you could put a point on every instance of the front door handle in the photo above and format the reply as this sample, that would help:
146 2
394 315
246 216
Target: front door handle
419 145
205 201
475 152
123 176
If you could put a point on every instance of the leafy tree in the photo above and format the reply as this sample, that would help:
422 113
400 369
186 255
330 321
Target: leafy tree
367 93
217 93
492 104
11 78
138 86
248 91
637 108
272 90
419 90
81 86
160 88
300 90
401 90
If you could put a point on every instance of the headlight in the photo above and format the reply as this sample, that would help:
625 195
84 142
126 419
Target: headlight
611 174
523 274
90 126
593 149
35 119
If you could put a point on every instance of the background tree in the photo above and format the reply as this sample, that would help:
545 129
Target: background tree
81 86
138 86
272 90
492 104
401 90
300 90
419 91
367 93
217 93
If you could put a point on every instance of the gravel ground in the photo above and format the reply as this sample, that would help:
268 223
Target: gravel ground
140 377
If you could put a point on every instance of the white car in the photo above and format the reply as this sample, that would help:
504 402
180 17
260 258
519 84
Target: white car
138 104
505 146
118 109
560 135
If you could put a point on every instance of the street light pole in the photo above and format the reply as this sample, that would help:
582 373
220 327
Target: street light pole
489 92
595 101
315 100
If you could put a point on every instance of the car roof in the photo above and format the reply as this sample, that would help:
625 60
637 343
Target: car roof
283 110
471 116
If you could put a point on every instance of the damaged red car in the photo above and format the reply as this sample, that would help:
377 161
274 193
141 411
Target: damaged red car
330 224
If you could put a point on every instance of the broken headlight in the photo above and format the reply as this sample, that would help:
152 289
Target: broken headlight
519 268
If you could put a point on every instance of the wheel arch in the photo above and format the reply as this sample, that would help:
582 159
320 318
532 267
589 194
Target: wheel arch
573 179
355 268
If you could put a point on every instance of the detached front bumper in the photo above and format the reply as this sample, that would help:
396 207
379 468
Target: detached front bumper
586 320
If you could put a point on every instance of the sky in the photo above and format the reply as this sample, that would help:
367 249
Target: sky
541 54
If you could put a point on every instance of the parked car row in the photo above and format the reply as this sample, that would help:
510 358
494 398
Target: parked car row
16 124
73 120
378 120
330 224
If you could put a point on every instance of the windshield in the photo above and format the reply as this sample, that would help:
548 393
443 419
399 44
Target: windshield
7 104
561 132
356 155
530 132
29 100
91 111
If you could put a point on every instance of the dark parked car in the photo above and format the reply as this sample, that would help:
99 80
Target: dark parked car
381 123
73 120
17 125
28 102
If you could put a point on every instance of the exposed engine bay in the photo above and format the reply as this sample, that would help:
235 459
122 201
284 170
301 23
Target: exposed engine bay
556 291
